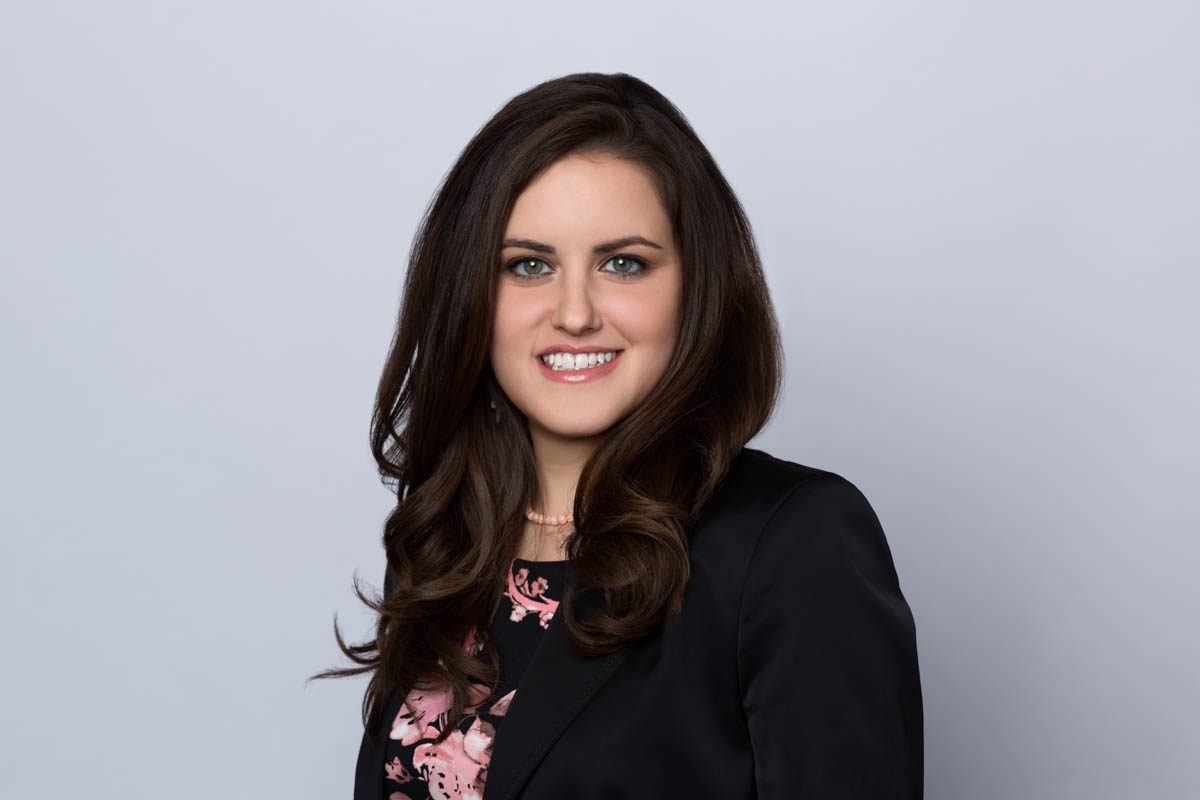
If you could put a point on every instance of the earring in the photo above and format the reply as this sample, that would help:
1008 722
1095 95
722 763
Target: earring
493 405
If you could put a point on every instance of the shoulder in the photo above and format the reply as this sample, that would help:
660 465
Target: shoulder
759 487
772 517
809 522
772 475
821 561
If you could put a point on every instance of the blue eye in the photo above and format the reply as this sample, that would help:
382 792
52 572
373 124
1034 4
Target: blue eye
627 263
628 267
527 260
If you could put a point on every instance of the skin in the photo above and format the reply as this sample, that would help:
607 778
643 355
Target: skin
577 297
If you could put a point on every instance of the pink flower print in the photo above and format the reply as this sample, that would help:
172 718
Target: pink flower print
500 707
429 707
477 741
449 770
527 596
477 694
396 772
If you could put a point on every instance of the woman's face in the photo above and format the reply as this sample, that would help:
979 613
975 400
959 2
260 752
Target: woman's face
571 275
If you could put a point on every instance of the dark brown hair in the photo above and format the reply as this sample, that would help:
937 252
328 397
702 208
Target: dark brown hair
462 477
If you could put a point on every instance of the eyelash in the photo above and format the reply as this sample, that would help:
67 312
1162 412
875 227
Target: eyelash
620 275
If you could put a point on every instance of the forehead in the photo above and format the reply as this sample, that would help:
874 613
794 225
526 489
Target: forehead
585 198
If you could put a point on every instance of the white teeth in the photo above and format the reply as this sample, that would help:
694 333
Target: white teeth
565 361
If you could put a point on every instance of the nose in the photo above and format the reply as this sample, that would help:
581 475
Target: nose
575 310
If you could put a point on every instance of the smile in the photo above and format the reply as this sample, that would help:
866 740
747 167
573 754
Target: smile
567 361
561 367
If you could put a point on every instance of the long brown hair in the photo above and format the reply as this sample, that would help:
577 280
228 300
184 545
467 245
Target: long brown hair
463 472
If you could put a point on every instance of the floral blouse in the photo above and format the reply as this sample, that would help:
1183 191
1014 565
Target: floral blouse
416 769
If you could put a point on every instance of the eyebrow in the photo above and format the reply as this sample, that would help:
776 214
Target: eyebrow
600 249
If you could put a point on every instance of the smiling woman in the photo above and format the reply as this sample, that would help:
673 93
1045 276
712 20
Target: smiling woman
594 588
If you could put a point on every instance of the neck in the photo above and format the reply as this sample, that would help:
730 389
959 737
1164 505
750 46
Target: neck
559 461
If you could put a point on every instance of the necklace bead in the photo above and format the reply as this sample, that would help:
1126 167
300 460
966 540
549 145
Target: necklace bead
543 519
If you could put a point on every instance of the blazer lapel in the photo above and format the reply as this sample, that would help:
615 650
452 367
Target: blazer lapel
557 684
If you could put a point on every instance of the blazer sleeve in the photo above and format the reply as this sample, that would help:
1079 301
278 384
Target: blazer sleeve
827 654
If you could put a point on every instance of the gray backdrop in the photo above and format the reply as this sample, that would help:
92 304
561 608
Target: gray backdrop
980 227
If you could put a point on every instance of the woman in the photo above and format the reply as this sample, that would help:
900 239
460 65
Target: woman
594 589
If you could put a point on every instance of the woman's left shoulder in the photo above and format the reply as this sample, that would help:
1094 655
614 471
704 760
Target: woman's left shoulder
798 512
819 523
767 482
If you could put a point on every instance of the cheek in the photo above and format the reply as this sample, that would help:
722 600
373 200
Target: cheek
513 335
506 325
650 319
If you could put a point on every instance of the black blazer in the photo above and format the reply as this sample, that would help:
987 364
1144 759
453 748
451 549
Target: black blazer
791 672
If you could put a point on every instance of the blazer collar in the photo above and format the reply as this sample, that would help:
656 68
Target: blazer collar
557 684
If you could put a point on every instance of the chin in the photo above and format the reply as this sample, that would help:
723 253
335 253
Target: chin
576 428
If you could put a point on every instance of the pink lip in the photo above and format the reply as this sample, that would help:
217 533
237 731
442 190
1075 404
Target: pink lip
580 375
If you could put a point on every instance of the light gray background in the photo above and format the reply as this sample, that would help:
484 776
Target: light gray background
980 227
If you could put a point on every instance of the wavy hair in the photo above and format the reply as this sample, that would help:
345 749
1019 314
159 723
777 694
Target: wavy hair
463 472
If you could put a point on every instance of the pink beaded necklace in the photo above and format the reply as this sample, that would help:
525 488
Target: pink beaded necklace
542 519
